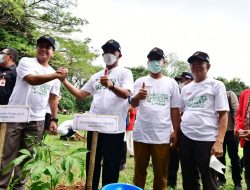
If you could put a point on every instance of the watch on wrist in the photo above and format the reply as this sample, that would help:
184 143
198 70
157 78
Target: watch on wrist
113 86
54 119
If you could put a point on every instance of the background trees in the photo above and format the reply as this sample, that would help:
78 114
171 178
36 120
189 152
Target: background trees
23 21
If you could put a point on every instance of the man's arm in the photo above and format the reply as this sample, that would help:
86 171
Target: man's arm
217 148
53 103
234 103
80 94
175 117
41 79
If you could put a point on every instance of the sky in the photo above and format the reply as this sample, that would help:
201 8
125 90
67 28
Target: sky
220 28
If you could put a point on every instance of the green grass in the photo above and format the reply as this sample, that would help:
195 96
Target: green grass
126 176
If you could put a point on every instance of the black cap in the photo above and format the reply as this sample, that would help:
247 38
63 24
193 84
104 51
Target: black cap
155 53
185 75
48 39
200 56
111 44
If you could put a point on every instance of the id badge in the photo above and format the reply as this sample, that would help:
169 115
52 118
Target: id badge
2 82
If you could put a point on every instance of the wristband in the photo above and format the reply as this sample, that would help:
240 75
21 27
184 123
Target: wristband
54 119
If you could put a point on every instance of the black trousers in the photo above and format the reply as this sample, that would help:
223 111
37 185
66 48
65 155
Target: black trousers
230 146
109 150
195 158
246 158
173 167
124 154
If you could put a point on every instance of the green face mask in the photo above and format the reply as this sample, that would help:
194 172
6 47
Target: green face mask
154 66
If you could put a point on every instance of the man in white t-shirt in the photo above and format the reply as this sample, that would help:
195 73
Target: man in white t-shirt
35 87
158 100
110 89
203 124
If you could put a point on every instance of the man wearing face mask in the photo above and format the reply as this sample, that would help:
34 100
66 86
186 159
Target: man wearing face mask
8 58
110 89
158 100
173 166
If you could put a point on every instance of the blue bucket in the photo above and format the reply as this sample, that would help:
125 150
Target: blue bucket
120 186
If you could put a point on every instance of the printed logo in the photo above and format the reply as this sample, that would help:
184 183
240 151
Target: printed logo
197 102
158 99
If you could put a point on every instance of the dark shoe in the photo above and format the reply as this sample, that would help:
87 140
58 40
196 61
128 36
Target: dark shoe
238 187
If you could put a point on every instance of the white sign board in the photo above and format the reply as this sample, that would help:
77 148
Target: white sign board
92 122
14 114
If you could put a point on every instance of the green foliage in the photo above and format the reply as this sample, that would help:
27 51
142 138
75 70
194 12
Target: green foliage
83 105
67 101
43 162
235 85
139 72
175 66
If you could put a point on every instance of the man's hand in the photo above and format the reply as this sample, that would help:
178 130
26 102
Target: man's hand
245 134
217 149
174 140
142 94
53 127
104 80
62 73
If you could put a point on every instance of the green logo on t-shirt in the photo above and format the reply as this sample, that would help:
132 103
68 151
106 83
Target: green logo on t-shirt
197 102
41 89
157 99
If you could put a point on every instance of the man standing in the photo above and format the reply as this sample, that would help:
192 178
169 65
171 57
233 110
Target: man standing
8 58
231 144
174 159
34 88
243 130
110 89
157 98
203 125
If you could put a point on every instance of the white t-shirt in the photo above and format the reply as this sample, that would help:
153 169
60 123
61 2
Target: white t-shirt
200 103
153 122
104 100
63 128
55 90
35 96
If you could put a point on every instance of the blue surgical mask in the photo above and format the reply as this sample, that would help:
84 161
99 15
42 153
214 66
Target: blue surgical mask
154 66
1 58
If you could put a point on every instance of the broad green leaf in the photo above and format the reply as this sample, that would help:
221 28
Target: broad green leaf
19 160
37 173
25 152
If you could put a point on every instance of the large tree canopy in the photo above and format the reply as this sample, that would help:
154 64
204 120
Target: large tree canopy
23 21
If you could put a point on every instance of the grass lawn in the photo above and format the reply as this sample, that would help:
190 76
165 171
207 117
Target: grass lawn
126 176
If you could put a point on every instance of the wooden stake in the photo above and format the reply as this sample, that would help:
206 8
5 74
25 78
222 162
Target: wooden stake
3 127
92 160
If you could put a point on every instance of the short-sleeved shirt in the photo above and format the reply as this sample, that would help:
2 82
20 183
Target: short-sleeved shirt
56 91
104 100
200 105
153 122
9 77
35 96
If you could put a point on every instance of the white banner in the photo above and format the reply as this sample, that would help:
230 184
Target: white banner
92 122
14 114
